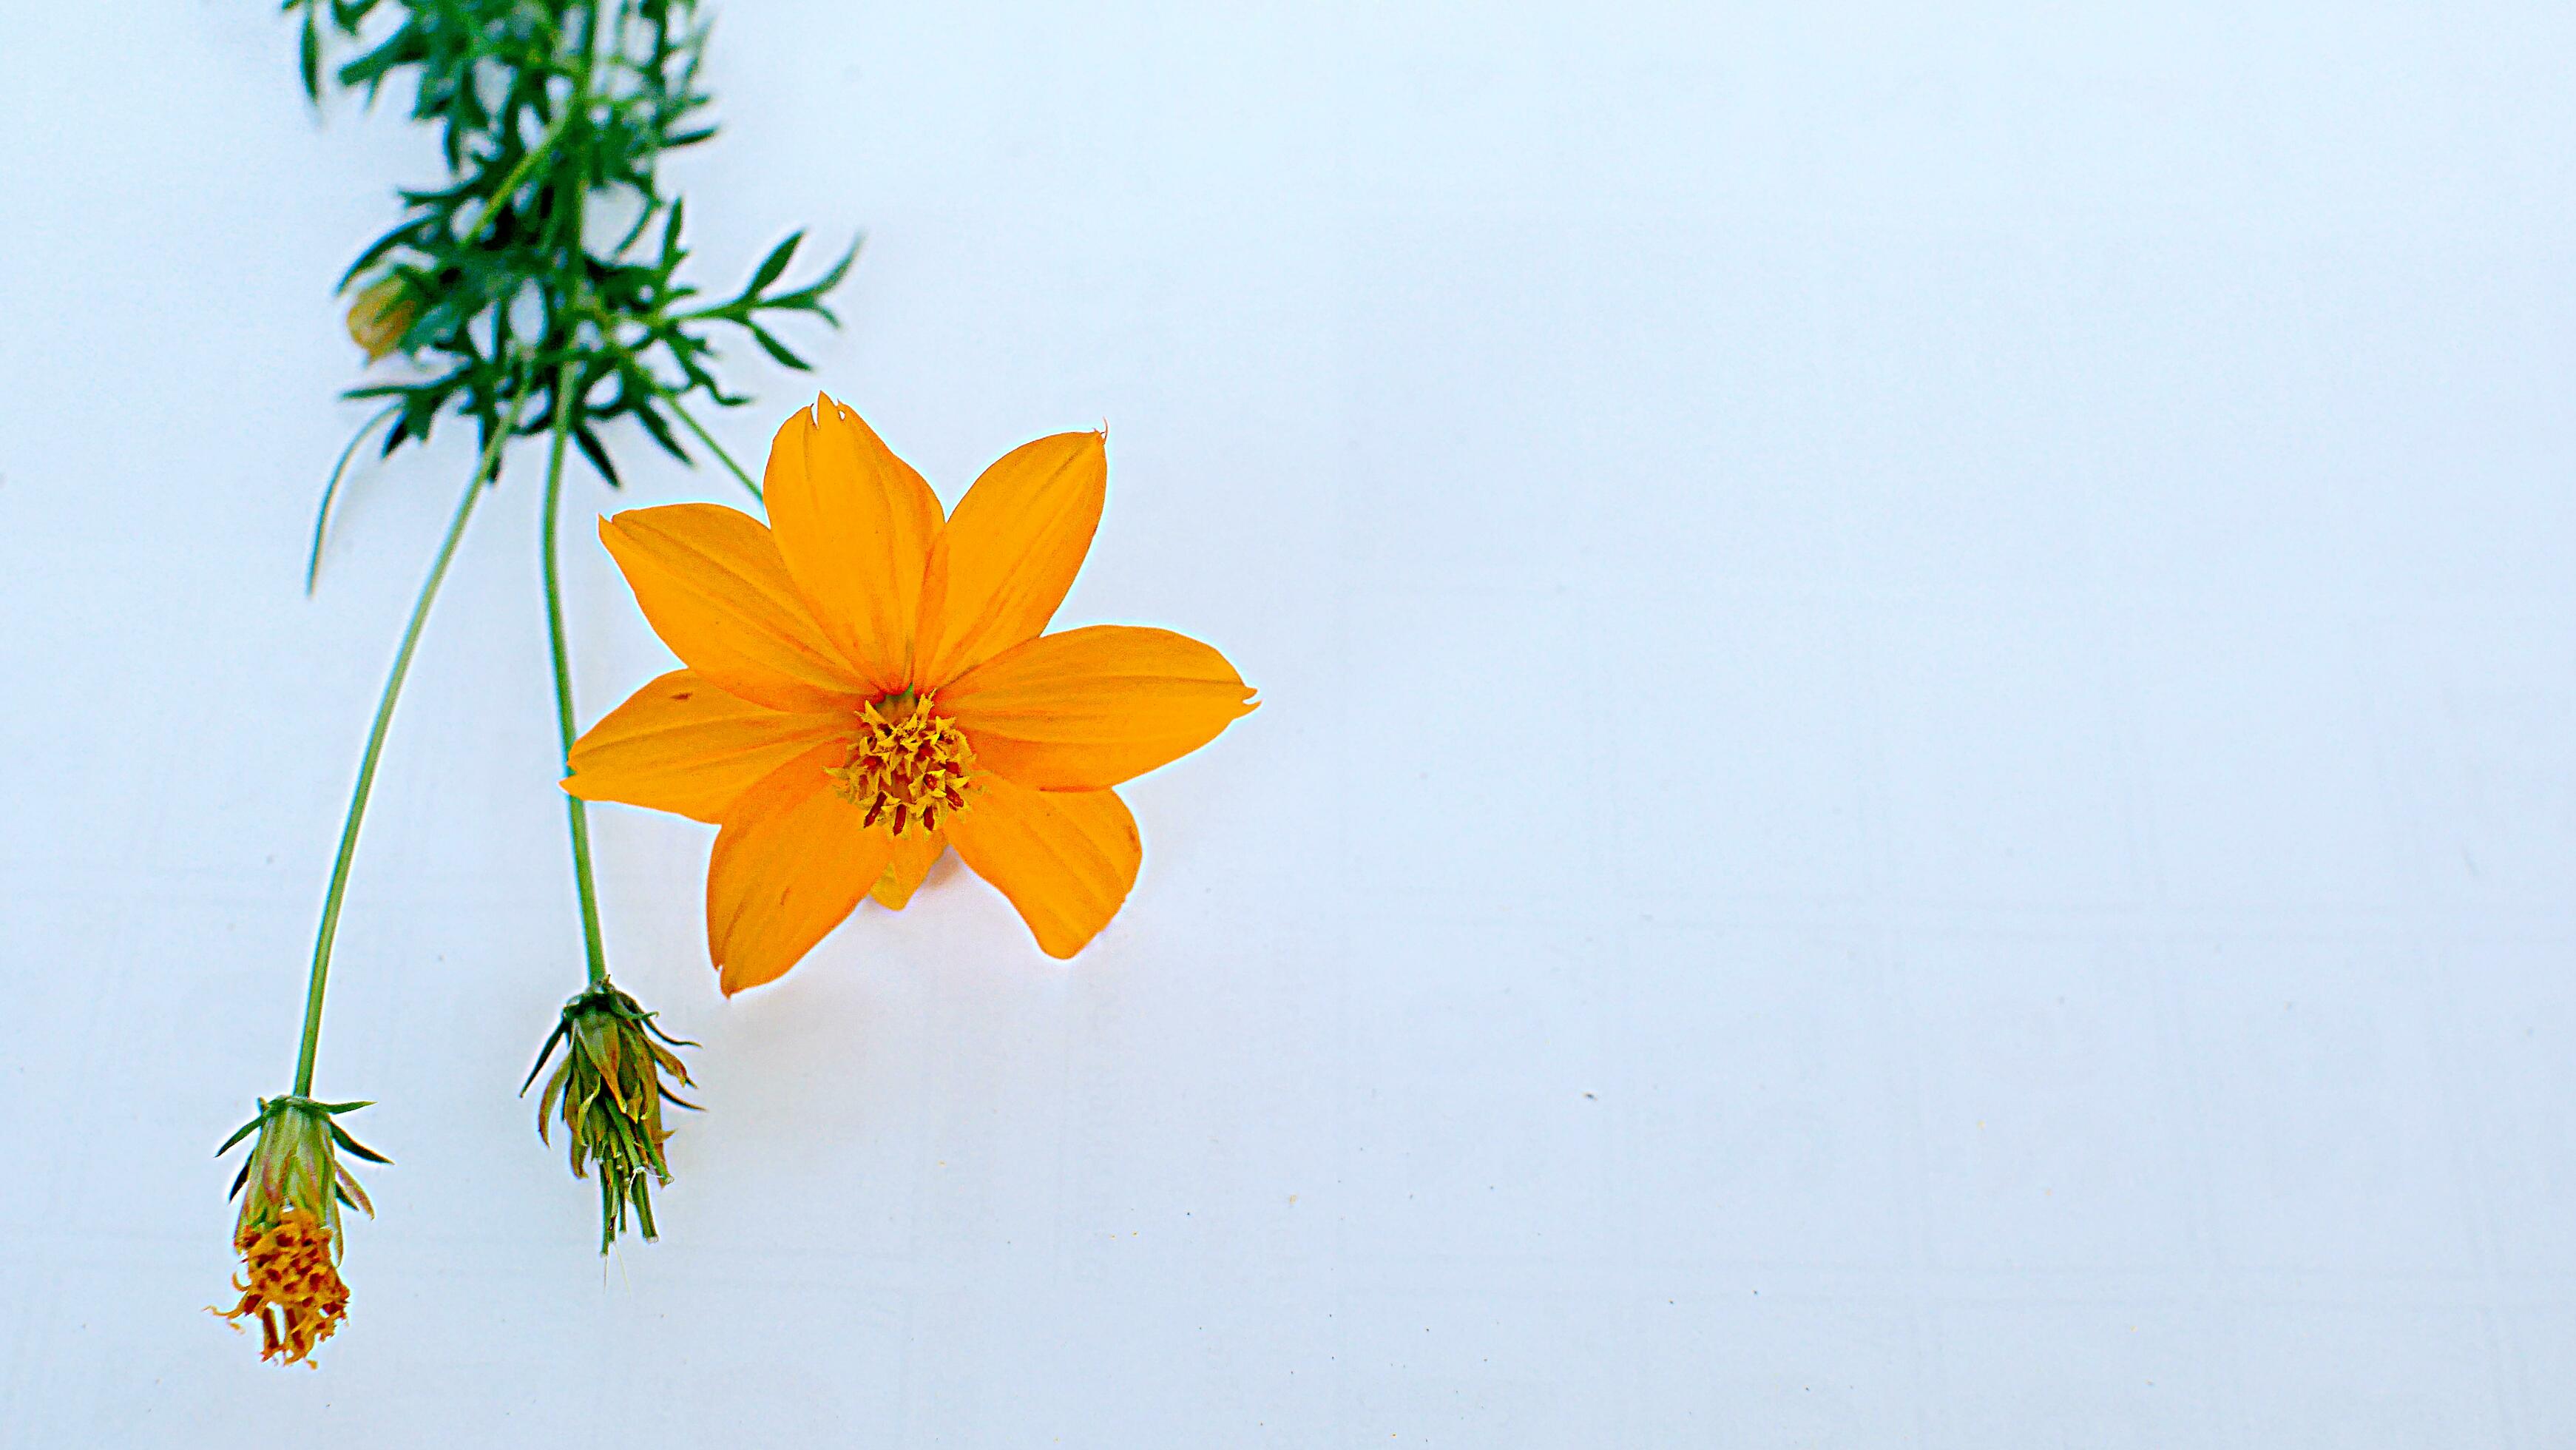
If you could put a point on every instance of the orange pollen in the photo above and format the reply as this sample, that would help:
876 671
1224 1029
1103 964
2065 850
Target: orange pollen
294 1290
908 767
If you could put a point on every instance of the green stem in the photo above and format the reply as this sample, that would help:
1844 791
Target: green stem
718 450
331 490
583 886
485 471
568 213
518 175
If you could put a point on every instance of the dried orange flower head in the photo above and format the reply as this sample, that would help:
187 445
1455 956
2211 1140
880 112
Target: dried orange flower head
294 1290
868 682
288 1232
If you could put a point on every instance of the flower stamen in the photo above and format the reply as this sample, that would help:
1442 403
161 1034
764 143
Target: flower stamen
908 766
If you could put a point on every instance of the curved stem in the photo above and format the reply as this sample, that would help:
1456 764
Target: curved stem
718 450
485 470
583 885
331 490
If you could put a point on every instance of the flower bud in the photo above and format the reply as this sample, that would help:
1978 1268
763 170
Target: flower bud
610 1089
382 314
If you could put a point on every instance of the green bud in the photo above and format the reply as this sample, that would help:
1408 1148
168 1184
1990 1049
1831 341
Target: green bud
382 314
609 1091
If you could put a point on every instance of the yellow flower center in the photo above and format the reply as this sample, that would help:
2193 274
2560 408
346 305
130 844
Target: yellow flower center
908 767
294 1289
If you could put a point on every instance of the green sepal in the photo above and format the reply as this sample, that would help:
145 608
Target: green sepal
244 1131
341 1137
562 1027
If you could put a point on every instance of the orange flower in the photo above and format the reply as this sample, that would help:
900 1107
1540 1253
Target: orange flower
867 683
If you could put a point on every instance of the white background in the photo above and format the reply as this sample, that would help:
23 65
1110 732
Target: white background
1917 787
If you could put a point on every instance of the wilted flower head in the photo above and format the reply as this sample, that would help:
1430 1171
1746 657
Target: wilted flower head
611 1090
288 1234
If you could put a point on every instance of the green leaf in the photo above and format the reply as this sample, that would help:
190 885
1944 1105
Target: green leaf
591 449
308 58
671 229
773 264
810 295
373 250
777 349
661 432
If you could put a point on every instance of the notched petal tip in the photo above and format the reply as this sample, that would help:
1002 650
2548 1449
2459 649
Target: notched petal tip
732 980
1010 552
1091 707
854 525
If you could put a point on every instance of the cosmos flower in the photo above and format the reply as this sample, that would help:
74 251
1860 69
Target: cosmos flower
868 683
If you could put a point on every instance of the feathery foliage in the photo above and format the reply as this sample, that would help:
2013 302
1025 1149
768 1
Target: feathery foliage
550 256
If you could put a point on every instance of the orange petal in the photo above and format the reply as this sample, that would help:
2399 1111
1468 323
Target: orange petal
1066 859
791 862
1088 708
1009 554
855 525
913 855
711 584
680 744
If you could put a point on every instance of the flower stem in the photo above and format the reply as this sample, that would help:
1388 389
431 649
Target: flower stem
486 470
499 200
331 490
718 450
574 808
